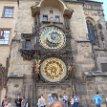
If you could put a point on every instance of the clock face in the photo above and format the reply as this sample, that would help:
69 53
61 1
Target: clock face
52 38
53 69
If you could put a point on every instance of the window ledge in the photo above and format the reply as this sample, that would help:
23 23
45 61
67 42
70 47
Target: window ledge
96 73
4 45
55 22
7 17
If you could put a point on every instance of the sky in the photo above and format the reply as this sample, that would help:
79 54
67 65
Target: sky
104 7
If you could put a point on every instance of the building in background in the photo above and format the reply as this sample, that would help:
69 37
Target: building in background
52 47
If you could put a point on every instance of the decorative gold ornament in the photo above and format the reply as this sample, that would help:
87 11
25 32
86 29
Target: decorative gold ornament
71 67
53 69
37 65
52 38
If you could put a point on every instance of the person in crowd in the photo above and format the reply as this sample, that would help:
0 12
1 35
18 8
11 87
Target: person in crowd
51 99
72 101
87 101
97 99
23 102
4 101
8 103
18 101
27 103
106 101
60 98
76 100
65 99
41 101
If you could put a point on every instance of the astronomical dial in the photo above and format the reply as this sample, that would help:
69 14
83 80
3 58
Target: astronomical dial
53 69
52 38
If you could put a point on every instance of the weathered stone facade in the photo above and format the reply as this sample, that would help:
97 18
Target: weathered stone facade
85 58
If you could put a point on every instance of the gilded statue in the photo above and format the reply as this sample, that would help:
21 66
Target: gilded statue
37 65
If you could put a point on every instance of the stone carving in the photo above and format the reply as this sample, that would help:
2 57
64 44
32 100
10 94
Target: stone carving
71 67
37 65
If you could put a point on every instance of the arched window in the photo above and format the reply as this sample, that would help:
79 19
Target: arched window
91 33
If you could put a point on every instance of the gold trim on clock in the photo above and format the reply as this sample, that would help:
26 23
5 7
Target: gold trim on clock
52 38
53 69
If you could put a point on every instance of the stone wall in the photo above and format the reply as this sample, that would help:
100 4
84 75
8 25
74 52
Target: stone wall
49 89
11 24
97 17
7 23
20 74
20 71
95 84
25 21
82 50
77 22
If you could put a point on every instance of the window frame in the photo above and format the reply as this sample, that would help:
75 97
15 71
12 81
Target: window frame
5 29
57 18
4 9
28 43
91 32
45 16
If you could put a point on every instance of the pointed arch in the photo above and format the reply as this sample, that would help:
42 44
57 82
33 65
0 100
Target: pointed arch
91 20
91 26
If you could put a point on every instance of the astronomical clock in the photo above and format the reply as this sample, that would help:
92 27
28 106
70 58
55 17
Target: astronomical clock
53 69
53 54
52 38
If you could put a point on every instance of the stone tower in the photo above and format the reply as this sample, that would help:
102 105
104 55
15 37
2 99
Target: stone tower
56 46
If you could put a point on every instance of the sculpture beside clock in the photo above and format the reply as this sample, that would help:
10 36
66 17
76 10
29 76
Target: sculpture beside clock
52 69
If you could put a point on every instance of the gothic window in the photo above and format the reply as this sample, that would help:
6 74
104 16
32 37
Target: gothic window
91 33
45 17
8 12
4 36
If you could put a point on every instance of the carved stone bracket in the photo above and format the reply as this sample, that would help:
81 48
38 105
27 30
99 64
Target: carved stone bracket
27 54
27 49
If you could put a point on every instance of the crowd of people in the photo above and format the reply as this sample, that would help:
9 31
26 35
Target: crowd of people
6 102
19 102
65 101
73 102
54 101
